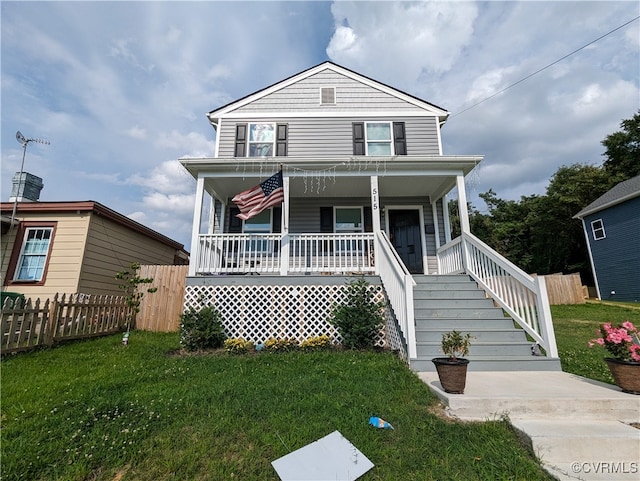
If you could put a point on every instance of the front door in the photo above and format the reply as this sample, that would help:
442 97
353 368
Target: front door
405 235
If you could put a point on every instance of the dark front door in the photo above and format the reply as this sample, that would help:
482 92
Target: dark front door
404 232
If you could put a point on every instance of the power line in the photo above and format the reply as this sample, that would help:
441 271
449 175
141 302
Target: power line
547 66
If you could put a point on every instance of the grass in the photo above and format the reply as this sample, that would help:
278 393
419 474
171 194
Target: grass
576 324
96 410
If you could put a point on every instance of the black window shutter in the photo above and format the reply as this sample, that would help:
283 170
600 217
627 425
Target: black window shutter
235 224
358 138
241 140
368 219
281 140
326 219
399 138
277 220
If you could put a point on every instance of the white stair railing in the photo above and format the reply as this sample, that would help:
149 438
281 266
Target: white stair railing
522 296
398 283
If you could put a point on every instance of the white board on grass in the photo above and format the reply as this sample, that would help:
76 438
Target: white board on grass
332 458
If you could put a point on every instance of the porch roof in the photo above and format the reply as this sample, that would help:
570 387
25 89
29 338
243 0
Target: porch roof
429 175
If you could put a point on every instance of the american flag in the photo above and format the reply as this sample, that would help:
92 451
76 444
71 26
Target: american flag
264 195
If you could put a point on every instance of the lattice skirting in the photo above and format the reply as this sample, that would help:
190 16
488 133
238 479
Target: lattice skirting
259 312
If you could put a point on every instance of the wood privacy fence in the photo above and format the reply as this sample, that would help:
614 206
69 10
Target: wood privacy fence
565 289
160 311
26 324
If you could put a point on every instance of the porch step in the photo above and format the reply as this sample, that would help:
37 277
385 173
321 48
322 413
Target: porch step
445 303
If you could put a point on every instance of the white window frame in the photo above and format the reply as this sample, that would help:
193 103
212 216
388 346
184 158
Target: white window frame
23 256
264 245
344 230
251 142
598 233
326 87
367 140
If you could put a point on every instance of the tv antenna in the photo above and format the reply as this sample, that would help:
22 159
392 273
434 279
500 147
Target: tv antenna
24 141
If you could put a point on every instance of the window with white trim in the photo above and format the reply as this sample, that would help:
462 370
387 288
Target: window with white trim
258 224
33 254
348 219
379 139
597 229
262 139
327 95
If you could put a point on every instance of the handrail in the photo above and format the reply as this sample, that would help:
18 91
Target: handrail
398 283
523 297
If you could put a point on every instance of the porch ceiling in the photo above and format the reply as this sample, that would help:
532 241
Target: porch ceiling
431 176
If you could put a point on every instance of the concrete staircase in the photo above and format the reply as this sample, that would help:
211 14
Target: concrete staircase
444 303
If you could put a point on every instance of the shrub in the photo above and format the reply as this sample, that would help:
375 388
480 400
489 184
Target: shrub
201 329
359 318
316 343
237 345
280 345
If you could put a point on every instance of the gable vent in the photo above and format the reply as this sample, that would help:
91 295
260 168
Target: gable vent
327 95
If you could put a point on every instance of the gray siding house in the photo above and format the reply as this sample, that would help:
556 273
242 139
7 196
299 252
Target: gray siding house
612 230
364 186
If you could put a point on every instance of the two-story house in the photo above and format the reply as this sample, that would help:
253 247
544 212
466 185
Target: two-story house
359 170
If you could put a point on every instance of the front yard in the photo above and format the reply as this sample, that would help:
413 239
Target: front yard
97 410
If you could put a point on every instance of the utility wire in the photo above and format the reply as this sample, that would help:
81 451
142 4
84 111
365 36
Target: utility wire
546 67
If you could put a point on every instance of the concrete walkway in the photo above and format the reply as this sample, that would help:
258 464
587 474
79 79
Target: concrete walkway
580 429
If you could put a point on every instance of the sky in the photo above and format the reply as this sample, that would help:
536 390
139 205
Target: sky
121 89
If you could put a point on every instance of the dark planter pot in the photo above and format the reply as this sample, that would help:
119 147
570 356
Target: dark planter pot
452 374
626 374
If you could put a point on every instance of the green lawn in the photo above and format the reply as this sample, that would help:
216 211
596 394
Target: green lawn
575 325
97 410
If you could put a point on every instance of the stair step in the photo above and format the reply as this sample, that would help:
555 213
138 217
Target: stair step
494 363
448 293
458 313
478 303
429 334
439 279
497 349
465 325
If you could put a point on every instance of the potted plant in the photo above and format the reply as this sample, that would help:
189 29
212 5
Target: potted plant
452 370
622 342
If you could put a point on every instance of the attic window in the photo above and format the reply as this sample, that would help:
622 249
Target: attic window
597 229
327 95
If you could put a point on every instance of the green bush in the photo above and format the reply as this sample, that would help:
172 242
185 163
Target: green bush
359 318
201 329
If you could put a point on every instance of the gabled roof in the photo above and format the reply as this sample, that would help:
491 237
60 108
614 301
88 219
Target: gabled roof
439 111
89 206
621 192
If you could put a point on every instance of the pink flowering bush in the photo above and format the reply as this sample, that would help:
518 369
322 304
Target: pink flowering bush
620 340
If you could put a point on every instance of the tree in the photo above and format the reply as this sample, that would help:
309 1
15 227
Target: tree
133 294
623 150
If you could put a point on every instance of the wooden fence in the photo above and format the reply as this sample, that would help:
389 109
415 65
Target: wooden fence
161 310
26 324
565 289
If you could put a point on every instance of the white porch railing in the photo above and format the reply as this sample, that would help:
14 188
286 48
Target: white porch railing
523 297
398 283
261 253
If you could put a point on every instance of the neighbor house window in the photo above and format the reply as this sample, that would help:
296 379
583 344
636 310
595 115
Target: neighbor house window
597 228
34 253
264 139
379 138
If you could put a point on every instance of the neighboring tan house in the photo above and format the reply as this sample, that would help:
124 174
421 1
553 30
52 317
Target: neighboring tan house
357 183
75 247
612 230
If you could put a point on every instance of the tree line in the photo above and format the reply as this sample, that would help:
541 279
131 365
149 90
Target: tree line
538 232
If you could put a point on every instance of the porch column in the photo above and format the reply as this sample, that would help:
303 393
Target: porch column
436 227
375 217
284 240
195 228
462 205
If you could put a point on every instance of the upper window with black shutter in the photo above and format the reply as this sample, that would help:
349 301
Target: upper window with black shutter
379 138
264 139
